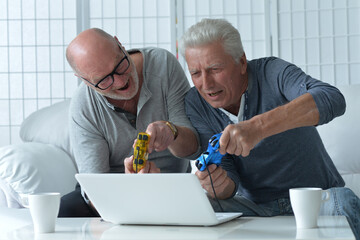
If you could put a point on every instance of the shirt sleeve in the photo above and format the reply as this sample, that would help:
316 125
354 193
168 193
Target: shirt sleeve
228 164
91 150
293 82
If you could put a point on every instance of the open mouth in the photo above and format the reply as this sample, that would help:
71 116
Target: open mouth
124 87
214 94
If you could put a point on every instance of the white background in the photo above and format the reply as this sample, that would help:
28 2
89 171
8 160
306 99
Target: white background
320 36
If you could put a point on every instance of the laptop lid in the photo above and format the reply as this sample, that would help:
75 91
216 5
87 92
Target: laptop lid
157 199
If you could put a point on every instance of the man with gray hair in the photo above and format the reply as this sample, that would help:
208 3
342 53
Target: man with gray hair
267 110
124 93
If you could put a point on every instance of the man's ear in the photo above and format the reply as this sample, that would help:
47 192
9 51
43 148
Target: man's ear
117 40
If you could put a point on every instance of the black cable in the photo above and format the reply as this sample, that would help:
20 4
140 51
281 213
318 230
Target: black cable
212 185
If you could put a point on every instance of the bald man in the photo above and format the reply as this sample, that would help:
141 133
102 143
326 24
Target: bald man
124 93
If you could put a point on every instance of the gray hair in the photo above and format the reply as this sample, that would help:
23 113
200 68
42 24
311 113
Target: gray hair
212 30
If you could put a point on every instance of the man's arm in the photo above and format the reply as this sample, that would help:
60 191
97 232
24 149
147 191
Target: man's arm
186 143
310 102
224 187
162 137
240 138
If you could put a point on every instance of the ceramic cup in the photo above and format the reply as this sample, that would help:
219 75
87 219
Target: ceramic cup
44 209
306 203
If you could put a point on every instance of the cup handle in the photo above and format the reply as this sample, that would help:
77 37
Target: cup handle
24 199
327 195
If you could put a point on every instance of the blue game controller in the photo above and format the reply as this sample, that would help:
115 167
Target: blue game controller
211 155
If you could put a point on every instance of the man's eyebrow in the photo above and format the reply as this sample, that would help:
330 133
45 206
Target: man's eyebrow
208 67
119 56
215 65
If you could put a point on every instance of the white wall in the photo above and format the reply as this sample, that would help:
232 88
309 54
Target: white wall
33 69
320 36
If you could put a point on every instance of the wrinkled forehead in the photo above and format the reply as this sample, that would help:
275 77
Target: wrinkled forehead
206 55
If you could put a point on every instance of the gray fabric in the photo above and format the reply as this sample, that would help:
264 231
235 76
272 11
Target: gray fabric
102 137
294 158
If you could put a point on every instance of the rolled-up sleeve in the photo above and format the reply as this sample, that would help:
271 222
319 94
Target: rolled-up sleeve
293 82
329 101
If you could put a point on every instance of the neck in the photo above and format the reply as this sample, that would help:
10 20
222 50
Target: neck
233 109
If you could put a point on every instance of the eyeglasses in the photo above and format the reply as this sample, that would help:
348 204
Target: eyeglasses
119 70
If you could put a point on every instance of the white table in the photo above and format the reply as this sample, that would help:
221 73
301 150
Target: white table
282 227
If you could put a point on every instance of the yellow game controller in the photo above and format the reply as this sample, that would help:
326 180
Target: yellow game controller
141 151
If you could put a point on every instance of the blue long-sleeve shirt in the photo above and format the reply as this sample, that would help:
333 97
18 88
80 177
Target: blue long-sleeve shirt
294 158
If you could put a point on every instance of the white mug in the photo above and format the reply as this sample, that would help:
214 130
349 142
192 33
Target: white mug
306 203
44 209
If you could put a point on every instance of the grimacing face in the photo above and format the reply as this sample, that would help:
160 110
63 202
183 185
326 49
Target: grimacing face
216 75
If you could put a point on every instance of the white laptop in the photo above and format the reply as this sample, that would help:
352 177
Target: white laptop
152 199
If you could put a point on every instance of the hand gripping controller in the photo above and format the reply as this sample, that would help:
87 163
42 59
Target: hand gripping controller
211 155
141 151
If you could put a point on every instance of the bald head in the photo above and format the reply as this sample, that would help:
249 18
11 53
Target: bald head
89 48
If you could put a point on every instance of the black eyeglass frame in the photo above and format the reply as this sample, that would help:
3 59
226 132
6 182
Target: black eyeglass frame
112 73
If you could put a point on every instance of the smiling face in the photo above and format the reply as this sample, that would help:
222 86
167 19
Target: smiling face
124 86
96 56
217 77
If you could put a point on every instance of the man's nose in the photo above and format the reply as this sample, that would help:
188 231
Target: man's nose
120 80
207 80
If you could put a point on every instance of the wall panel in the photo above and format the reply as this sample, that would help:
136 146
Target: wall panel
33 39
320 36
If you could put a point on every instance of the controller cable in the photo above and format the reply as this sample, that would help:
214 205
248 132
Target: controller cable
212 185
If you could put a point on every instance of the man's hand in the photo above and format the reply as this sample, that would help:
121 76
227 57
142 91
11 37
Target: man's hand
223 185
240 138
161 136
150 167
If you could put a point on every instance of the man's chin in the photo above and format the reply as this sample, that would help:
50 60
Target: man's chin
119 95
215 104
124 94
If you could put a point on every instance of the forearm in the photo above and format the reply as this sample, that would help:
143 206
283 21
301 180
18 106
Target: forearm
223 185
300 112
227 191
185 144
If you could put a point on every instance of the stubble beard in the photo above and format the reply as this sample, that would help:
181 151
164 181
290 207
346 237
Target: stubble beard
134 86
